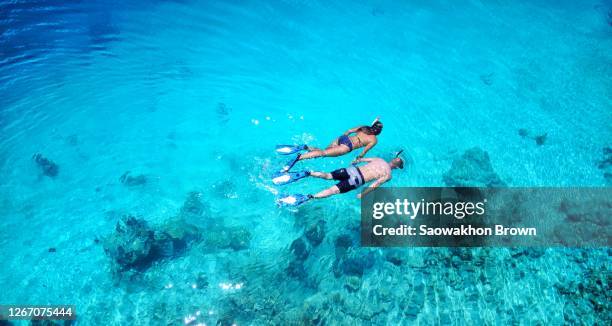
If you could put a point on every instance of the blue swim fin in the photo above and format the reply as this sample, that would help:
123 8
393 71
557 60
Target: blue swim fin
289 149
293 200
290 164
289 177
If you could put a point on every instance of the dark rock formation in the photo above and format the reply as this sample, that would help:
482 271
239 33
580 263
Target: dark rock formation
132 181
135 245
223 112
585 222
342 243
539 139
487 79
221 237
296 270
300 249
472 169
316 233
395 256
131 246
355 262
47 167
606 164
588 296
193 205
240 238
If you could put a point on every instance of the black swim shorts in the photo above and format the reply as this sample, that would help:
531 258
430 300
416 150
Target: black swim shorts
350 178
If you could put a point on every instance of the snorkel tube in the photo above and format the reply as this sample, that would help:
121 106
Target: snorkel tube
375 121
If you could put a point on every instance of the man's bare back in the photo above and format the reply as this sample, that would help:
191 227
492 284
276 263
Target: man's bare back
375 169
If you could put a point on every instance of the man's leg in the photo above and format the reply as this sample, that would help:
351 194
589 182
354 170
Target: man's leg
322 175
333 190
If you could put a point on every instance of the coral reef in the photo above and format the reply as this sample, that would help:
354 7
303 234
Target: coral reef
47 167
135 245
131 246
223 112
316 233
472 169
223 237
539 139
588 299
487 79
592 219
193 205
605 164
300 248
132 181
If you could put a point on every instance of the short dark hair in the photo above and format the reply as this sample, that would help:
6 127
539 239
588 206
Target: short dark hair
401 162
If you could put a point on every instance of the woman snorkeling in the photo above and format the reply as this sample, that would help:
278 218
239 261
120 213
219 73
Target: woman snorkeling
358 137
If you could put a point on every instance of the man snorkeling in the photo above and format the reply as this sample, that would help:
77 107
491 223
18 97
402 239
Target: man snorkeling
376 169
358 137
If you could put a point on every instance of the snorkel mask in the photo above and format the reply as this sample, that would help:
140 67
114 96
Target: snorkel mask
376 127
401 160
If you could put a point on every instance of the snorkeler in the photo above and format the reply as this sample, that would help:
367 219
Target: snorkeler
377 170
363 136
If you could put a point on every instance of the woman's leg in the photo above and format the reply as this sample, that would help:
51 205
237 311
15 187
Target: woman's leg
330 152
332 144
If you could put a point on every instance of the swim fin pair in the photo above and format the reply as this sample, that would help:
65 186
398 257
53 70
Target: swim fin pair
283 178
293 200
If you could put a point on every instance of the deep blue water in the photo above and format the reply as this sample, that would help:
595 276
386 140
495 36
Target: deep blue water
194 96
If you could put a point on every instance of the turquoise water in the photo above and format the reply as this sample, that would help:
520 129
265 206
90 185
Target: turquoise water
194 96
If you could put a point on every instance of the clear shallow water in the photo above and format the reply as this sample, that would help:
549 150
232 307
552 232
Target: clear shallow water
195 96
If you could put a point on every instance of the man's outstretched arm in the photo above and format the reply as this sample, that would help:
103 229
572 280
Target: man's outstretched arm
373 186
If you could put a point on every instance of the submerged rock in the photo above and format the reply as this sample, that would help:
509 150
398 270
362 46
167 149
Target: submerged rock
193 204
539 139
240 238
316 233
354 262
588 299
178 228
300 249
223 112
135 245
219 237
167 246
395 256
472 169
132 181
130 247
342 243
605 164
296 270
353 283
47 167
487 79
